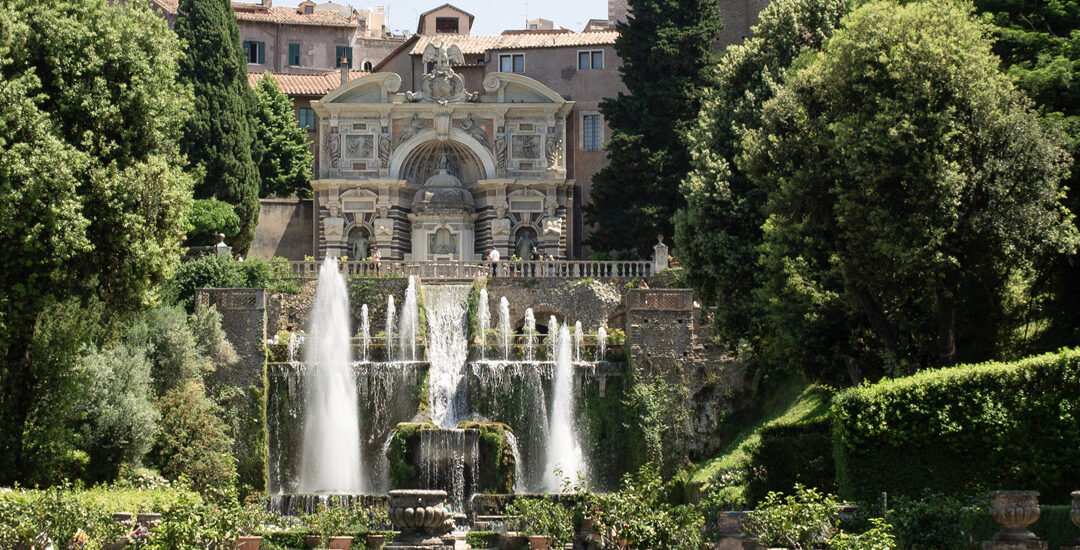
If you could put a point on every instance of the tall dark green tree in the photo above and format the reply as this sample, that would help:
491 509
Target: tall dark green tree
220 136
718 232
913 194
286 162
666 49
91 181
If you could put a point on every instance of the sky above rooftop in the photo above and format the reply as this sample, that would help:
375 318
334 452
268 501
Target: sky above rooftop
492 16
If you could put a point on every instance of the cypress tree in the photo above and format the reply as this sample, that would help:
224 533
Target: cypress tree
286 161
667 59
219 138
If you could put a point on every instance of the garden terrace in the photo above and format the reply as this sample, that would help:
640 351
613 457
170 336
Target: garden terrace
453 269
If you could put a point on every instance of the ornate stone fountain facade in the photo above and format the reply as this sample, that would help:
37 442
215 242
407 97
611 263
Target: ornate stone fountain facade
504 148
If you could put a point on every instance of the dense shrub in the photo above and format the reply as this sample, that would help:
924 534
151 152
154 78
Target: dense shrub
790 454
207 217
206 271
935 521
539 517
480 539
810 519
60 515
172 347
194 442
963 430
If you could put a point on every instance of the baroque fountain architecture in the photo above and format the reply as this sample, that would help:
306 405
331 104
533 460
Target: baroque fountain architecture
442 173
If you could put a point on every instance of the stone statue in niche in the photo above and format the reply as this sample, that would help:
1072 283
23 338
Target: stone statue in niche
553 147
384 228
333 224
333 146
415 127
442 85
470 127
553 226
500 209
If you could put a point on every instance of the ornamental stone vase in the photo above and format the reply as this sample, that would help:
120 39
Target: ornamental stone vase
374 542
248 543
423 518
1074 514
1014 511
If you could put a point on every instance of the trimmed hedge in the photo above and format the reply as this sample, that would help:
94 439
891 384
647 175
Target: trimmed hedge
963 430
788 454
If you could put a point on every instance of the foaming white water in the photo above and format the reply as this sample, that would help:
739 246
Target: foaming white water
447 350
578 335
365 333
530 333
391 313
330 462
410 317
601 342
484 323
519 470
563 451
553 338
504 326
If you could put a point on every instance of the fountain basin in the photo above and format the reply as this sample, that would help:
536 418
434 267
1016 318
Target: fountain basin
423 517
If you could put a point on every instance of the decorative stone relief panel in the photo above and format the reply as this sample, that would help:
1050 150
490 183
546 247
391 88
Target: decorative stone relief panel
525 147
359 147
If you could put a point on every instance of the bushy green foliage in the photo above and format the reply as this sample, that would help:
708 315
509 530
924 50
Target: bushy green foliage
541 516
791 454
90 177
666 54
962 430
912 194
206 326
59 515
640 513
212 271
285 163
656 415
480 539
935 521
219 139
206 218
194 442
718 232
809 519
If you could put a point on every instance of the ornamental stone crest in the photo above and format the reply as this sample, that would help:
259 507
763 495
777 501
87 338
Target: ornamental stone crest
442 85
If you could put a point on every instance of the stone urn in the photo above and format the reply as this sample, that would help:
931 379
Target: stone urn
375 542
1014 511
422 517
539 542
340 543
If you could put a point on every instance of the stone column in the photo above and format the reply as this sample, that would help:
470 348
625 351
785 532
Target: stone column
1014 511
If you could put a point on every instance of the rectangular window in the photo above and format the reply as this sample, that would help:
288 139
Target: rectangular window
343 52
591 60
307 118
512 63
446 24
593 130
255 52
294 54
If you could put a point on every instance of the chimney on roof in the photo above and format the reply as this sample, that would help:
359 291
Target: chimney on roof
344 71
266 3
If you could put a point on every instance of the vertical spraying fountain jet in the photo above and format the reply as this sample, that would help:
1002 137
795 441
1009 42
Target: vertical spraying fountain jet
484 321
409 320
391 312
504 327
563 451
331 453
553 338
601 342
365 333
578 336
530 333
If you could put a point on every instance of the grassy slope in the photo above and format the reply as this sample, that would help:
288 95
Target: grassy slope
795 402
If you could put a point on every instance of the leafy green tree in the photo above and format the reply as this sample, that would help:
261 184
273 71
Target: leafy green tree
666 51
208 217
219 138
718 232
285 166
194 441
912 193
90 177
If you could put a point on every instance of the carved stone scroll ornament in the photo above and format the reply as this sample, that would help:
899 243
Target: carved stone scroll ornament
333 147
384 148
500 152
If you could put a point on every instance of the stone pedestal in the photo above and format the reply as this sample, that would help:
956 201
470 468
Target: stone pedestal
1014 511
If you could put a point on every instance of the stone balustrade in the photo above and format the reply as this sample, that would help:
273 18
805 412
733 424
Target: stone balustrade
455 269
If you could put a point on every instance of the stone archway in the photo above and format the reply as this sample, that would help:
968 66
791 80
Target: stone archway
423 160
458 142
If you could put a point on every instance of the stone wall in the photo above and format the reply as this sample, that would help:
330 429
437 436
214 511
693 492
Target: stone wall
243 316
285 230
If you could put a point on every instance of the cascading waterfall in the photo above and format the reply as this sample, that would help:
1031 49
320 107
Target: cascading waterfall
553 338
530 334
484 321
445 455
563 451
519 468
601 342
409 319
578 336
331 439
365 333
504 326
447 351
293 347
391 312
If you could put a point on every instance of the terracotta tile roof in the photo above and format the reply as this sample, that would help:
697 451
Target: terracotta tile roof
289 16
274 14
481 44
316 85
